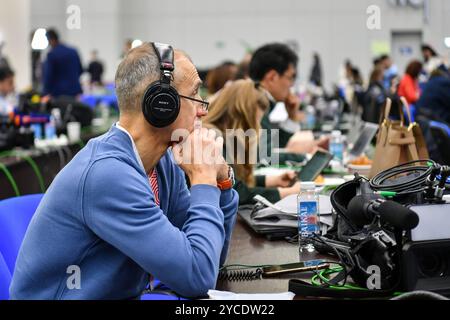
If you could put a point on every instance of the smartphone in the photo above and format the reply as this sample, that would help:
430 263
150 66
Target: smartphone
315 166
295 267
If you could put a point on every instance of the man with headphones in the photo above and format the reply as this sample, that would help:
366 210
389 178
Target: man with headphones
120 213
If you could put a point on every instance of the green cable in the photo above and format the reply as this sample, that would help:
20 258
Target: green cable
31 162
10 178
36 171
323 279
387 194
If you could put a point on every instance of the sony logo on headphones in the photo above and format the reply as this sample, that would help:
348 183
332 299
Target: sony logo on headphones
163 102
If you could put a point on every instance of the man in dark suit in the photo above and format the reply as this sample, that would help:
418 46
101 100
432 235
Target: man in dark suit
62 69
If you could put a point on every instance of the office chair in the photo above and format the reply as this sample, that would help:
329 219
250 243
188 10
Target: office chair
15 215
441 136
160 292
160 296
5 279
413 111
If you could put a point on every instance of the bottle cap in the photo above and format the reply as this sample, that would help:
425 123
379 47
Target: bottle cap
336 133
307 185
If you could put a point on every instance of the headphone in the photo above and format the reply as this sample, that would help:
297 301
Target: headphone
161 102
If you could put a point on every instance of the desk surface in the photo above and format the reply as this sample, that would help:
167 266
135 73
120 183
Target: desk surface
247 247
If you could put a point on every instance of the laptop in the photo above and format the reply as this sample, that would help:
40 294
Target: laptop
367 134
356 127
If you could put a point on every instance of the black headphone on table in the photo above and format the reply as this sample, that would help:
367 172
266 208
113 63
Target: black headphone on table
161 102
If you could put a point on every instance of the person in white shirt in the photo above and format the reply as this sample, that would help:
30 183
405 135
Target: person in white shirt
7 90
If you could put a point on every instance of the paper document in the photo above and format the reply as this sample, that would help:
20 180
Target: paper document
226 295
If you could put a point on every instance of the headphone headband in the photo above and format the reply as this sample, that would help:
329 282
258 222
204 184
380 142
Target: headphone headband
165 56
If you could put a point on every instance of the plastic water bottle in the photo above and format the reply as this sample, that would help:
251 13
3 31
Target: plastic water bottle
337 145
308 219
37 129
310 117
50 129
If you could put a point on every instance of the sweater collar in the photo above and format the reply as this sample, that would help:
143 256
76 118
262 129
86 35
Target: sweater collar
136 153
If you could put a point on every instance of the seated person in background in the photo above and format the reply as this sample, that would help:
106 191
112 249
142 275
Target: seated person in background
274 68
434 103
240 107
219 76
103 215
7 99
375 97
432 61
409 84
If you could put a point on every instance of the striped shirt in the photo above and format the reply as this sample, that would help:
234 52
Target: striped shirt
153 179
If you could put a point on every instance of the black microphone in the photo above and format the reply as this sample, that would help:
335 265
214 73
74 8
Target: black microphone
362 210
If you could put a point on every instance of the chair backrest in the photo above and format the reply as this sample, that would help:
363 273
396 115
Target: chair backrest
5 279
441 136
15 215
442 126
161 296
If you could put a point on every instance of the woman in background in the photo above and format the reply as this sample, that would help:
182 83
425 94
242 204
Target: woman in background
409 85
374 97
241 106
218 77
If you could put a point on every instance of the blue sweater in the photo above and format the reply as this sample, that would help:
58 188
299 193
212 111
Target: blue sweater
100 214
62 71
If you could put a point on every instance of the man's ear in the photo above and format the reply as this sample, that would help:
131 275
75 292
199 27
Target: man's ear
271 75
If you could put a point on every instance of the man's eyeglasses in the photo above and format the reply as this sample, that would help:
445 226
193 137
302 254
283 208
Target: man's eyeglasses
291 78
204 104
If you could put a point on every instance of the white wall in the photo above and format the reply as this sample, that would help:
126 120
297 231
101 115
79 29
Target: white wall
214 30
14 30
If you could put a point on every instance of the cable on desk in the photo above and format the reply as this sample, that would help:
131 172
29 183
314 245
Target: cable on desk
31 162
240 274
62 158
10 179
69 154
415 185
322 278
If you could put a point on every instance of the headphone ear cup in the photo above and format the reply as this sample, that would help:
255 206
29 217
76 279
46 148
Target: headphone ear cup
160 105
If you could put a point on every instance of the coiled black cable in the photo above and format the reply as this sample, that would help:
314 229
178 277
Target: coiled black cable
240 274
381 182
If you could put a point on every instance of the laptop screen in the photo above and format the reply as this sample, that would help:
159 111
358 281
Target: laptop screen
369 131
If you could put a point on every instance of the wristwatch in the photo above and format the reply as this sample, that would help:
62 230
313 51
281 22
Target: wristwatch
228 183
